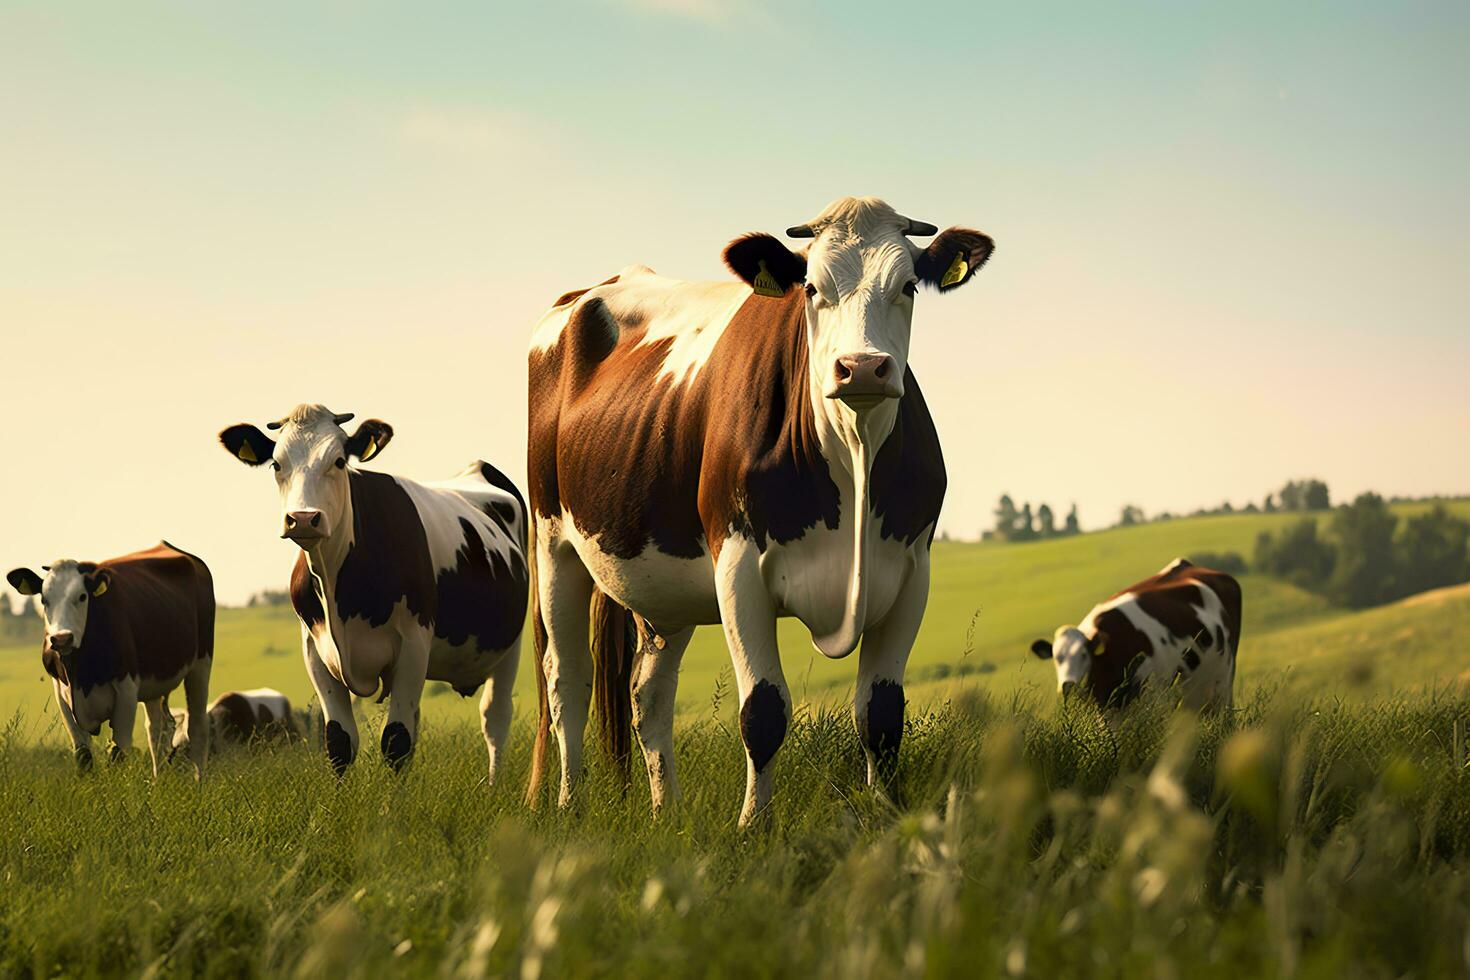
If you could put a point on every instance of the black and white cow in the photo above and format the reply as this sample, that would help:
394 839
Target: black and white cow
242 717
124 631
734 452
1181 626
397 581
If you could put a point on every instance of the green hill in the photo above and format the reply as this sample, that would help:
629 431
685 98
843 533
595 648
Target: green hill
988 602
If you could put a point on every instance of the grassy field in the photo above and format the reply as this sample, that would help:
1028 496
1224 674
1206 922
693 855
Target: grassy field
1323 829
988 602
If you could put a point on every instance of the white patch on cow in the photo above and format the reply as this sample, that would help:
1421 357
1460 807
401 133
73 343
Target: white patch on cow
65 600
670 592
1071 655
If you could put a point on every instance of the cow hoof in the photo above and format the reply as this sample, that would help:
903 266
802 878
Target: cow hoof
115 753
339 747
84 759
397 744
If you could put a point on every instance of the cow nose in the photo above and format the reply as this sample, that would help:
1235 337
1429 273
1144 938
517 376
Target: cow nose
61 641
866 378
1068 687
305 525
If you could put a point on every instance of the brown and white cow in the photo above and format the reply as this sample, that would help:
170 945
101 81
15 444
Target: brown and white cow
241 717
734 452
122 631
397 582
1179 626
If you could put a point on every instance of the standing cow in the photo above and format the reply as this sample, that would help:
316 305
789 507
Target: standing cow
733 452
122 631
397 582
1181 625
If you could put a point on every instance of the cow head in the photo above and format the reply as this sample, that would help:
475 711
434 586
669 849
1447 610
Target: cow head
68 591
861 276
1071 651
309 459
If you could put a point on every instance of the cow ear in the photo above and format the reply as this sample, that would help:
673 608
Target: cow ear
369 439
1042 649
24 581
247 444
99 582
766 265
952 258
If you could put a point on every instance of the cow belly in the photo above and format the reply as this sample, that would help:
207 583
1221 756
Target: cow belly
150 688
1207 684
93 708
671 593
809 578
463 667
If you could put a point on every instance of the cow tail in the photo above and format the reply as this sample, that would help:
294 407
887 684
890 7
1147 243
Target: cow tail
614 647
538 654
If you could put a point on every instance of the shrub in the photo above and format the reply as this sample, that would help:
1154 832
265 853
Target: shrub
1229 562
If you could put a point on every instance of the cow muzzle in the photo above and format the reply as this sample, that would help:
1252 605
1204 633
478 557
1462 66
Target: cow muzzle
864 380
305 525
62 642
1068 689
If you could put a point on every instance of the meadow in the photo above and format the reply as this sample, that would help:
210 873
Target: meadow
1321 829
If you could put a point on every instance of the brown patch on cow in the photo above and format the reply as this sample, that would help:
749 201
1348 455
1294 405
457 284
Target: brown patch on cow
1110 678
155 620
640 459
306 597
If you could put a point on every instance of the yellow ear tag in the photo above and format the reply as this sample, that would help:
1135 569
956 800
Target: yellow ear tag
370 451
956 272
765 284
1102 646
247 454
101 588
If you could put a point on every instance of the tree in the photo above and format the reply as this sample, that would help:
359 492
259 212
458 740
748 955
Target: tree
1430 552
1047 521
1132 514
1005 517
1364 573
1025 527
1270 505
1316 495
1073 526
1297 555
1305 495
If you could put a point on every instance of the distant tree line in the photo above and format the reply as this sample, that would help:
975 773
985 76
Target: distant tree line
1296 495
1022 525
1369 556
19 626
269 597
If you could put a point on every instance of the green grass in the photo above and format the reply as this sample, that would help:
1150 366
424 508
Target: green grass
1315 839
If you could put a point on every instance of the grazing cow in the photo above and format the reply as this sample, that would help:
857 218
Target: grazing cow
397 582
240 717
122 631
733 452
1182 624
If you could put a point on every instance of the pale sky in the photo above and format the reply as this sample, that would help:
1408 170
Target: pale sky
1231 238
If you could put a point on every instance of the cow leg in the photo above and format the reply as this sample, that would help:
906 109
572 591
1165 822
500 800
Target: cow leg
878 702
410 669
495 706
157 722
124 715
196 713
565 588
81 742
339 726
654 688
749 618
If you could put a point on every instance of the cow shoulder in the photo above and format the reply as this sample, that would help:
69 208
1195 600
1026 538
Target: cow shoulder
1116 662
908 476
388 561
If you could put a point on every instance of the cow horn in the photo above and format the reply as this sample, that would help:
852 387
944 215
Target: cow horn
344 417
800 231
920 228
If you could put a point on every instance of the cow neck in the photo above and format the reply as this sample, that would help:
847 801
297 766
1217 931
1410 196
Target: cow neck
849 440
325 560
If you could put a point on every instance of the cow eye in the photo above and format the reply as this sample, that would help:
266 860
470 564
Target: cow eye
811 290
45 603
341 462
82 597
911 287
275 466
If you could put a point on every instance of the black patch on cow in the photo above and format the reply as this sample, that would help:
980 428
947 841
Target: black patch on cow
389 559
83 756
397 745
232 716
1191 659
884 727
498 479
908 477
1220 637
306 597
481 596
763 723
339 747
745 255
1112 677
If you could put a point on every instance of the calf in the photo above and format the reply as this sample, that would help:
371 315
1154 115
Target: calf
239 717
397 582
122 631
1181 625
